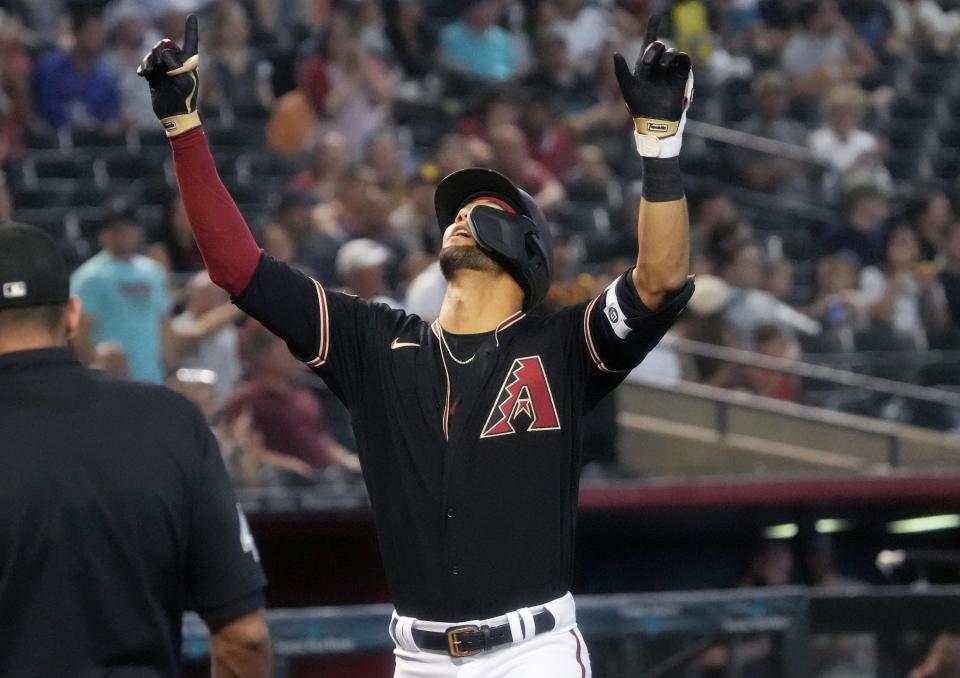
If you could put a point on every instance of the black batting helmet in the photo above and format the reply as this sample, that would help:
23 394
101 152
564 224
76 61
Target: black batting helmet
520 242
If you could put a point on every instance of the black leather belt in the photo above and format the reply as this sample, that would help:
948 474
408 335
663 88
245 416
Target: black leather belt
465 641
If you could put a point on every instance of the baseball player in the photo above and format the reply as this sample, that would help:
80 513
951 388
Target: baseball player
468 428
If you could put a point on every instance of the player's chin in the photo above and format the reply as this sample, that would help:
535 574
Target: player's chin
455 258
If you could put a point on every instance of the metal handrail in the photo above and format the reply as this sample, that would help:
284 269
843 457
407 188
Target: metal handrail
898 358
753 142
818 372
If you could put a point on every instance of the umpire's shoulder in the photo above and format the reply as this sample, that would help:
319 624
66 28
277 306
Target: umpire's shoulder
147 405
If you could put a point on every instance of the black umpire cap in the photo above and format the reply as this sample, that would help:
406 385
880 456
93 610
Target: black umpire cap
33 271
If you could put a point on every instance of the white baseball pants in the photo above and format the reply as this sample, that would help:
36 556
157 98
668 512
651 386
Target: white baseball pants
560 653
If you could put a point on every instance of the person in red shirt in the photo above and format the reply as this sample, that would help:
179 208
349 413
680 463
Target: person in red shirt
288 417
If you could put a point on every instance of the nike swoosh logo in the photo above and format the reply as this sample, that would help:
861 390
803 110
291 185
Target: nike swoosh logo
402 344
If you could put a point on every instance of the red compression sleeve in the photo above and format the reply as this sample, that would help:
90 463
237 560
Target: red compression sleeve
228 248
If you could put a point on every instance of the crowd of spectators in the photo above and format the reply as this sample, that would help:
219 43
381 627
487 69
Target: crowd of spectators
821 173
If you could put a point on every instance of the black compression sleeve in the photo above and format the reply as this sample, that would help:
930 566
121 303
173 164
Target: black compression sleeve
662 181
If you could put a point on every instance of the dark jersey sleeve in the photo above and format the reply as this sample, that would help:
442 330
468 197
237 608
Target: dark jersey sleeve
619 330
223 575
327 330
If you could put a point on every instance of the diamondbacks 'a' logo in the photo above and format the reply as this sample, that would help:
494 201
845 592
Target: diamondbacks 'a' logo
525 391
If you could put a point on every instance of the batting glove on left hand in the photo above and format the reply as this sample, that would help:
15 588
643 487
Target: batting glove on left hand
657 94
174 82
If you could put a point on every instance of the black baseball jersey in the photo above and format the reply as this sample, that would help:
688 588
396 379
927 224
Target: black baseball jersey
116 514
469 444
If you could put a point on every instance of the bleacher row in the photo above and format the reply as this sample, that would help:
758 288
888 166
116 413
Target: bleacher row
67 179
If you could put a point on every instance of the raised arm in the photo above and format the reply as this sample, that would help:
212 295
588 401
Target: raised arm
227 246
657 94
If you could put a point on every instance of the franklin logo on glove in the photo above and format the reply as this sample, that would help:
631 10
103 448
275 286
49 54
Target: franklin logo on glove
657 93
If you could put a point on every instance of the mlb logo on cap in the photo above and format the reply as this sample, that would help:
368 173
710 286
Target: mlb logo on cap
14 290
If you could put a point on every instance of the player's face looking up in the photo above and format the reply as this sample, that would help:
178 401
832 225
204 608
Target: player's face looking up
460 250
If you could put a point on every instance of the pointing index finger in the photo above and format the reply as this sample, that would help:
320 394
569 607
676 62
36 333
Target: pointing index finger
653 26
191 36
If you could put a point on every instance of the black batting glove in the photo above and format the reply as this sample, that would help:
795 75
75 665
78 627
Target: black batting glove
174 81
657 93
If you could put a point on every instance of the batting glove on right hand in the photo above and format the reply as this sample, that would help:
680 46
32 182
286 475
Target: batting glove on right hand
657 94
174 82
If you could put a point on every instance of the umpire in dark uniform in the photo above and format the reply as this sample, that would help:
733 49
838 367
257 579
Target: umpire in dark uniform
116 513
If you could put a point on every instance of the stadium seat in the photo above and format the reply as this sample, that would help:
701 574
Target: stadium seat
123 165
50 219
153 138
41 166
236 137
96 139
42 140
89 194
153 191
47 195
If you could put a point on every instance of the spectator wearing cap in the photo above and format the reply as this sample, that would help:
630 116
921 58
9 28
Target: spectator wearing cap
474 45
287 417
362 267
78 88
124 296
116 513
763 171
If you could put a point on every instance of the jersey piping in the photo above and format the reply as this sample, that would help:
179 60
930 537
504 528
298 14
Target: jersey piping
324 343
